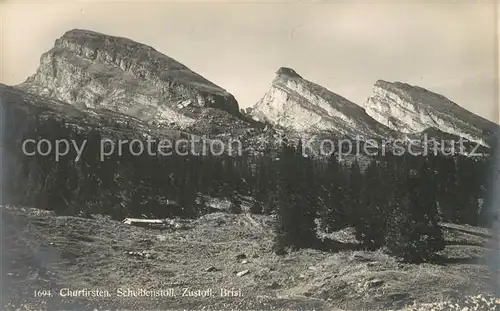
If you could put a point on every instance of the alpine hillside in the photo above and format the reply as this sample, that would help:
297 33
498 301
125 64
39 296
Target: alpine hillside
92 70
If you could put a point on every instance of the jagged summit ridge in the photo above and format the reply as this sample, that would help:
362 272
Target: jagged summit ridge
413 109
287 72
93 70
297 104
407 90
141 60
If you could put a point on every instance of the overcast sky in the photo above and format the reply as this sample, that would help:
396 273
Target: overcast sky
449 48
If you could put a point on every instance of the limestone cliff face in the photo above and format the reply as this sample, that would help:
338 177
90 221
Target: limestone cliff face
93 70
295 103
412 109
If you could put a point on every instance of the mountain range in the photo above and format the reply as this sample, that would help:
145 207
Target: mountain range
91 74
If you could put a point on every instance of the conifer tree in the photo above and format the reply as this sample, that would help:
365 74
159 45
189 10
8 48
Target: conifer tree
284 221
413 232
295 226
469 182
305 201
260 187
370 224
333 212
355 192
446 187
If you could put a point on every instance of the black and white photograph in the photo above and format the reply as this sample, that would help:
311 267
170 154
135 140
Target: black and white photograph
249 155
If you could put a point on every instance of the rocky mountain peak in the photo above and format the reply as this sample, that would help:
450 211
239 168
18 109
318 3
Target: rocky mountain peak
410 91
413 109
297 104
93 70
287 72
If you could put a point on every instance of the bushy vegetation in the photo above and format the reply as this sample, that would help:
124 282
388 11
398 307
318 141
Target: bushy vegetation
393 202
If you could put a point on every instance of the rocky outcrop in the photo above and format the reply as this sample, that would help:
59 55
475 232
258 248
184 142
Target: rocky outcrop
412 109
92 70
22 111
295 103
